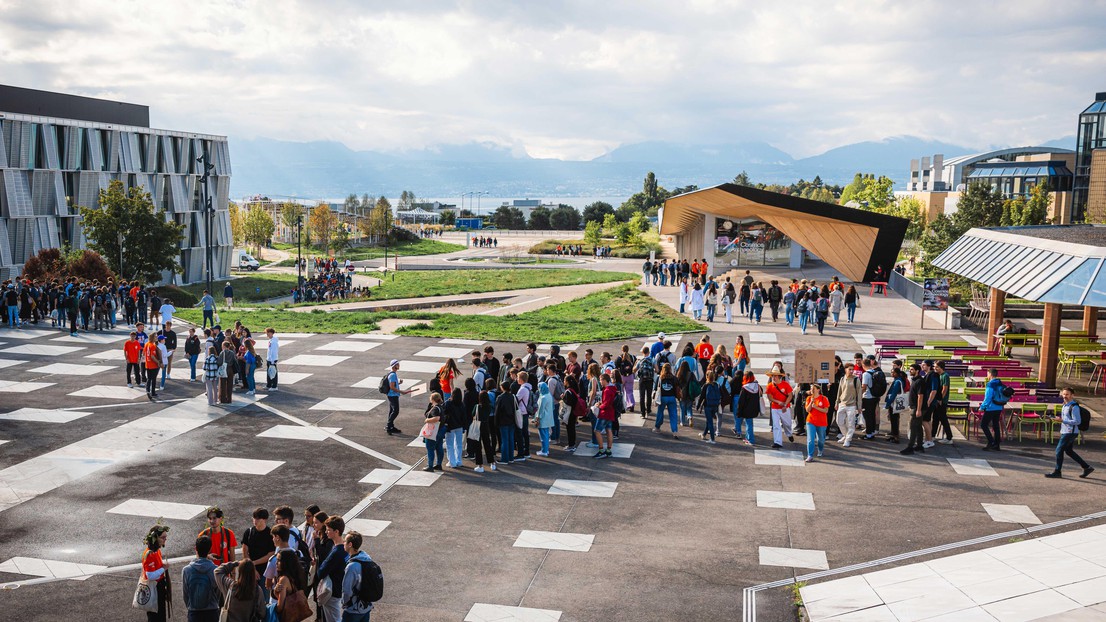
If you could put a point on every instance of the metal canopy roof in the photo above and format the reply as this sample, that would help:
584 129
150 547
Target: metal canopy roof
1057 264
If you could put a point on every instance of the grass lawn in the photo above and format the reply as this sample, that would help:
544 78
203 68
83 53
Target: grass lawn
290 321
419 283
246 288
518 260
548 247
617 313
358 253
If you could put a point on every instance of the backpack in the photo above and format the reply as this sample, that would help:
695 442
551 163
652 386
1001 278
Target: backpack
879 382
645 370
1084 417
371 588
1001 396
619 403
302 551
823 308
201 586
580 408
626 368
712 394
386 384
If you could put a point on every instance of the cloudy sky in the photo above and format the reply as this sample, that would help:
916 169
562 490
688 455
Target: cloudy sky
574 78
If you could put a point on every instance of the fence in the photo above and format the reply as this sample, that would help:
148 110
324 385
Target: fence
906 288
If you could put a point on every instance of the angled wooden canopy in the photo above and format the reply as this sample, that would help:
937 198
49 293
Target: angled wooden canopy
853 241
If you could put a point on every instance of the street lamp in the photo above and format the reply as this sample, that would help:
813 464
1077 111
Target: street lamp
121 256
299 262
209 212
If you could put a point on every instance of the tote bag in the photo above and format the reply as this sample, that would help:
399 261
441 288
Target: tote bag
429 431
145 596
901 403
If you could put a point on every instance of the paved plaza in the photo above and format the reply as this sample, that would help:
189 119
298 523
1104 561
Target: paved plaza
667 530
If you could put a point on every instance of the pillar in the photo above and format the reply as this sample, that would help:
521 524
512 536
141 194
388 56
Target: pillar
795 259
1090 321
710 226
1050 343
994 318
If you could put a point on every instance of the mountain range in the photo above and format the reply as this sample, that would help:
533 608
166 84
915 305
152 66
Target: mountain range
330 169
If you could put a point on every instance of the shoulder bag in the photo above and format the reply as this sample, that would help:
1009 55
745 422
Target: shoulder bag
295 608
145 595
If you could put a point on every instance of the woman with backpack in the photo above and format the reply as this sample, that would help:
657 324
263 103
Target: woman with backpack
505 421
242 597
747 407
645 371
803 311
728 296
667 393
688 373
712 398
712 301
822 312
471 399
756 303
454 428
435 412
744 295
625 367
290 588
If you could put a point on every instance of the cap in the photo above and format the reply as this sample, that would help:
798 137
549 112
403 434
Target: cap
660 335
161 337
393 363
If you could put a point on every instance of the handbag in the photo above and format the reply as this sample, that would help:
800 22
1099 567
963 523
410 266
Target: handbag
901 403
324 591
271 372
224 611
429 431
474 430
145 595
223 370
295 608
595 410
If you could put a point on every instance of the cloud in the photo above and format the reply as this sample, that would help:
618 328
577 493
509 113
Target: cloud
574 78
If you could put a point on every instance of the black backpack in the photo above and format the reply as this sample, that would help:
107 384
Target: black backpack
879 382
1003 395
385 384
371 588
1084 417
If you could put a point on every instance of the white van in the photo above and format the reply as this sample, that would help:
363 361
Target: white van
241 260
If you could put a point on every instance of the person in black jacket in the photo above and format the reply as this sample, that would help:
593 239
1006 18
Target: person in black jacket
505 421
191 350
470 400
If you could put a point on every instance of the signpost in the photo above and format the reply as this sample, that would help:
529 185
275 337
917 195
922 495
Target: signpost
935 297
813 366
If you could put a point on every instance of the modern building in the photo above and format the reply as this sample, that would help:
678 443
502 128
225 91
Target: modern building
1089 194
58 151
1014 172
736 226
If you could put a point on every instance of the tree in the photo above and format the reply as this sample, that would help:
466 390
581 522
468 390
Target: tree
633 205
912 210
380 221
649 189
624 233
51 264
539 218
351 205
1036 208
848 194
340 239
875 195
151 244
564 218
447 218
406 200
367 205
595 212
258 227
237 223
639 223
507 217
742 179
979 206
322 225
593 233
610 222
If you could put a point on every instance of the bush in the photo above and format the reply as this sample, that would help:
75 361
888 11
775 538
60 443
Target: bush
181 298
51 264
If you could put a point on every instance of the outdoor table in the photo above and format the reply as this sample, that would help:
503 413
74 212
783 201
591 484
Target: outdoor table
872 289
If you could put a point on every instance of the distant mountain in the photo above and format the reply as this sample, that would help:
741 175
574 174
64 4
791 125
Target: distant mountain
890 156
1067 142
676 153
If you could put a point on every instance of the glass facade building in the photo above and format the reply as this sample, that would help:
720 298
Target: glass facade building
1091 135
750 242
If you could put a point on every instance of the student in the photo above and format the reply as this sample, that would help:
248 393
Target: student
244 599
222 539
712 398
746 405
667 390
151 358
208 304
211 376
544 418
154 570
353 608
1070 417
645 371
132 350
817 418
333 567
228 362
435 414
201 592
192 351
918 406
505 421
606 418
257 545
272 356
779 393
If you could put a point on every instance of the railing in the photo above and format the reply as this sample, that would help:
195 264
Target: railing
906 288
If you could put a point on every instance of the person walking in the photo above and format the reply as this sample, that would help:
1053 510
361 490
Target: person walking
756 303
207 303
667 391
645 371
151 357
941 405
852 301
740 355
817 418
712 301
626 365
192 351
394 391
836 303
228 295
132 352
272 357
803 312
1071 423
780 395
712 398
747 406
728 295
775 297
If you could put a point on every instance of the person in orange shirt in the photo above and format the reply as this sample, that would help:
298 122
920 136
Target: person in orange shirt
131 351
703 351
740 354
155 572
817 418
223 541
779 394
152 359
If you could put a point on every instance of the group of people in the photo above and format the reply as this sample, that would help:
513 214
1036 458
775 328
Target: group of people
85 306
273 572
325 286
672 273
569 250
480 241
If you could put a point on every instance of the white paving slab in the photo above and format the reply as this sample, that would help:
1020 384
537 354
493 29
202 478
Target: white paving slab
1086 593
443 353
290 377
367 526
298 433
582 488
975 341
1011 514
347 404
1031 606
763 337
793 558
463 342
69 369
43 415
109 355
420 367
3 441
263 344
418 442
10 386
763 349
296 335
27 334
972 466
314 360
38 349
372 336
349 346
785 500
95 338
418 478
243 466
778 457
619 450
381 476
555 541
5 363
107 391
50 568
158 509
483 612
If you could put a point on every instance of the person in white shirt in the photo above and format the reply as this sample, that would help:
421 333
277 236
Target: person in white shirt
272 355
167 310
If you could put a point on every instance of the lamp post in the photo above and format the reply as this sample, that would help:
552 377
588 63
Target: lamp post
209 213
299 262
121 256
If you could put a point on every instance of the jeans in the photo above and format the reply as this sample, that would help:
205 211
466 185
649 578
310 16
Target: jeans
756 310
821 323
836 317
710 312
433 448
454 446
192 365
209 316
555 431
1067 446
744 305
850 311
522 438
941 419
992 421
13 316
748 433
251 384
815 439
544 434
668 402
803 319
789 315
393 411
685 410
664 279
355 617
507 443
164 375
710 411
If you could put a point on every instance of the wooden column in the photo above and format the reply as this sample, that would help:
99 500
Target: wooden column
994 319
1050 343
1090 321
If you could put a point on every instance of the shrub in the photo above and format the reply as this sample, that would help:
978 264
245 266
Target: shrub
181 298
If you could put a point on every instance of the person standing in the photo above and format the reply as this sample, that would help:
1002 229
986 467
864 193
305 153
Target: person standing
775 297
132 351
227 364
332 567
836 303
250 358
604 423
272 356
228 295
896 388
156 572
208 304
728 295
870 396
667 391
779 393
222 539
941 406
211 376
151 357
201 590
192 351
394 391
817 418
917 408
354 609
849 391
712 399
1071 418
646 269
747 405
170 349
645 371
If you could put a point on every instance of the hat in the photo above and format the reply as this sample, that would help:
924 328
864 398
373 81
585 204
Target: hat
161 337
777 370
393 363
660 335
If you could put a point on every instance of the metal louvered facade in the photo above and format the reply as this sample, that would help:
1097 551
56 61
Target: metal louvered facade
1062 265
50 165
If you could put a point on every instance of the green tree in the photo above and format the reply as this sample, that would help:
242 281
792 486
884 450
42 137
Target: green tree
237 223
447 218
565 218
650 190
979 206
539 218
639 223
595 212
406 200
912 210
352 205
150 242
340 239
742 179
624 233
507 217
593 233
876 195
367 205
610 222
379 222
322 225
258 226
633 205
1036 208
824 195
849 192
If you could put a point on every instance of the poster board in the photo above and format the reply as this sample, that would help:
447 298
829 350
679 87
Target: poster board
936 294
814 366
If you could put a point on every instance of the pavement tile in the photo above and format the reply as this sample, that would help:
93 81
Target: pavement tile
367 526
8 386
69 369
349 346
314 360
158 509
50 568
930 605
778 457
41 349
43 415
298 433
785 500
582 488
1031 606
482 612
972 466
793 558
440 352
244 466
1020 514
347 404
555 541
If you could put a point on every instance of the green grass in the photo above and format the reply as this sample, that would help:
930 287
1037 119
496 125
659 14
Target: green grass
358 253
290 321
617 313
548 247
272 285
419 283
518 260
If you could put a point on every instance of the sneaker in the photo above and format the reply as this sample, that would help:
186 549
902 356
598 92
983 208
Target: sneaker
777 446
848 444
438 468
819 454
492 465
909 451
570 450
609 454
790 439
710 441
928 445
130 386
1053 475
988 448
675 437
656 429
397 431
249 393
591 445
869 437
429 469
478 469
701 435
840 437
945 441
809 459
543 454
521 459
1087 471
272 389
600 454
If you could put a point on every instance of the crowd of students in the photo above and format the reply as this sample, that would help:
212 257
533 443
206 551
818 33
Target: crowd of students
78 305
271 574
481 241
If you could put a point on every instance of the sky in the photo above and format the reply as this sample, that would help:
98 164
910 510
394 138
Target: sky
573 79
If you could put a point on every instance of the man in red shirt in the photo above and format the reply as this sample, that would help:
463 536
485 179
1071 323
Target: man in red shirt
223 541
779 394
131 351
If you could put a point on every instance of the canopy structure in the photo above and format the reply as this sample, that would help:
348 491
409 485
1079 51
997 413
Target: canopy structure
1057 265
853 241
